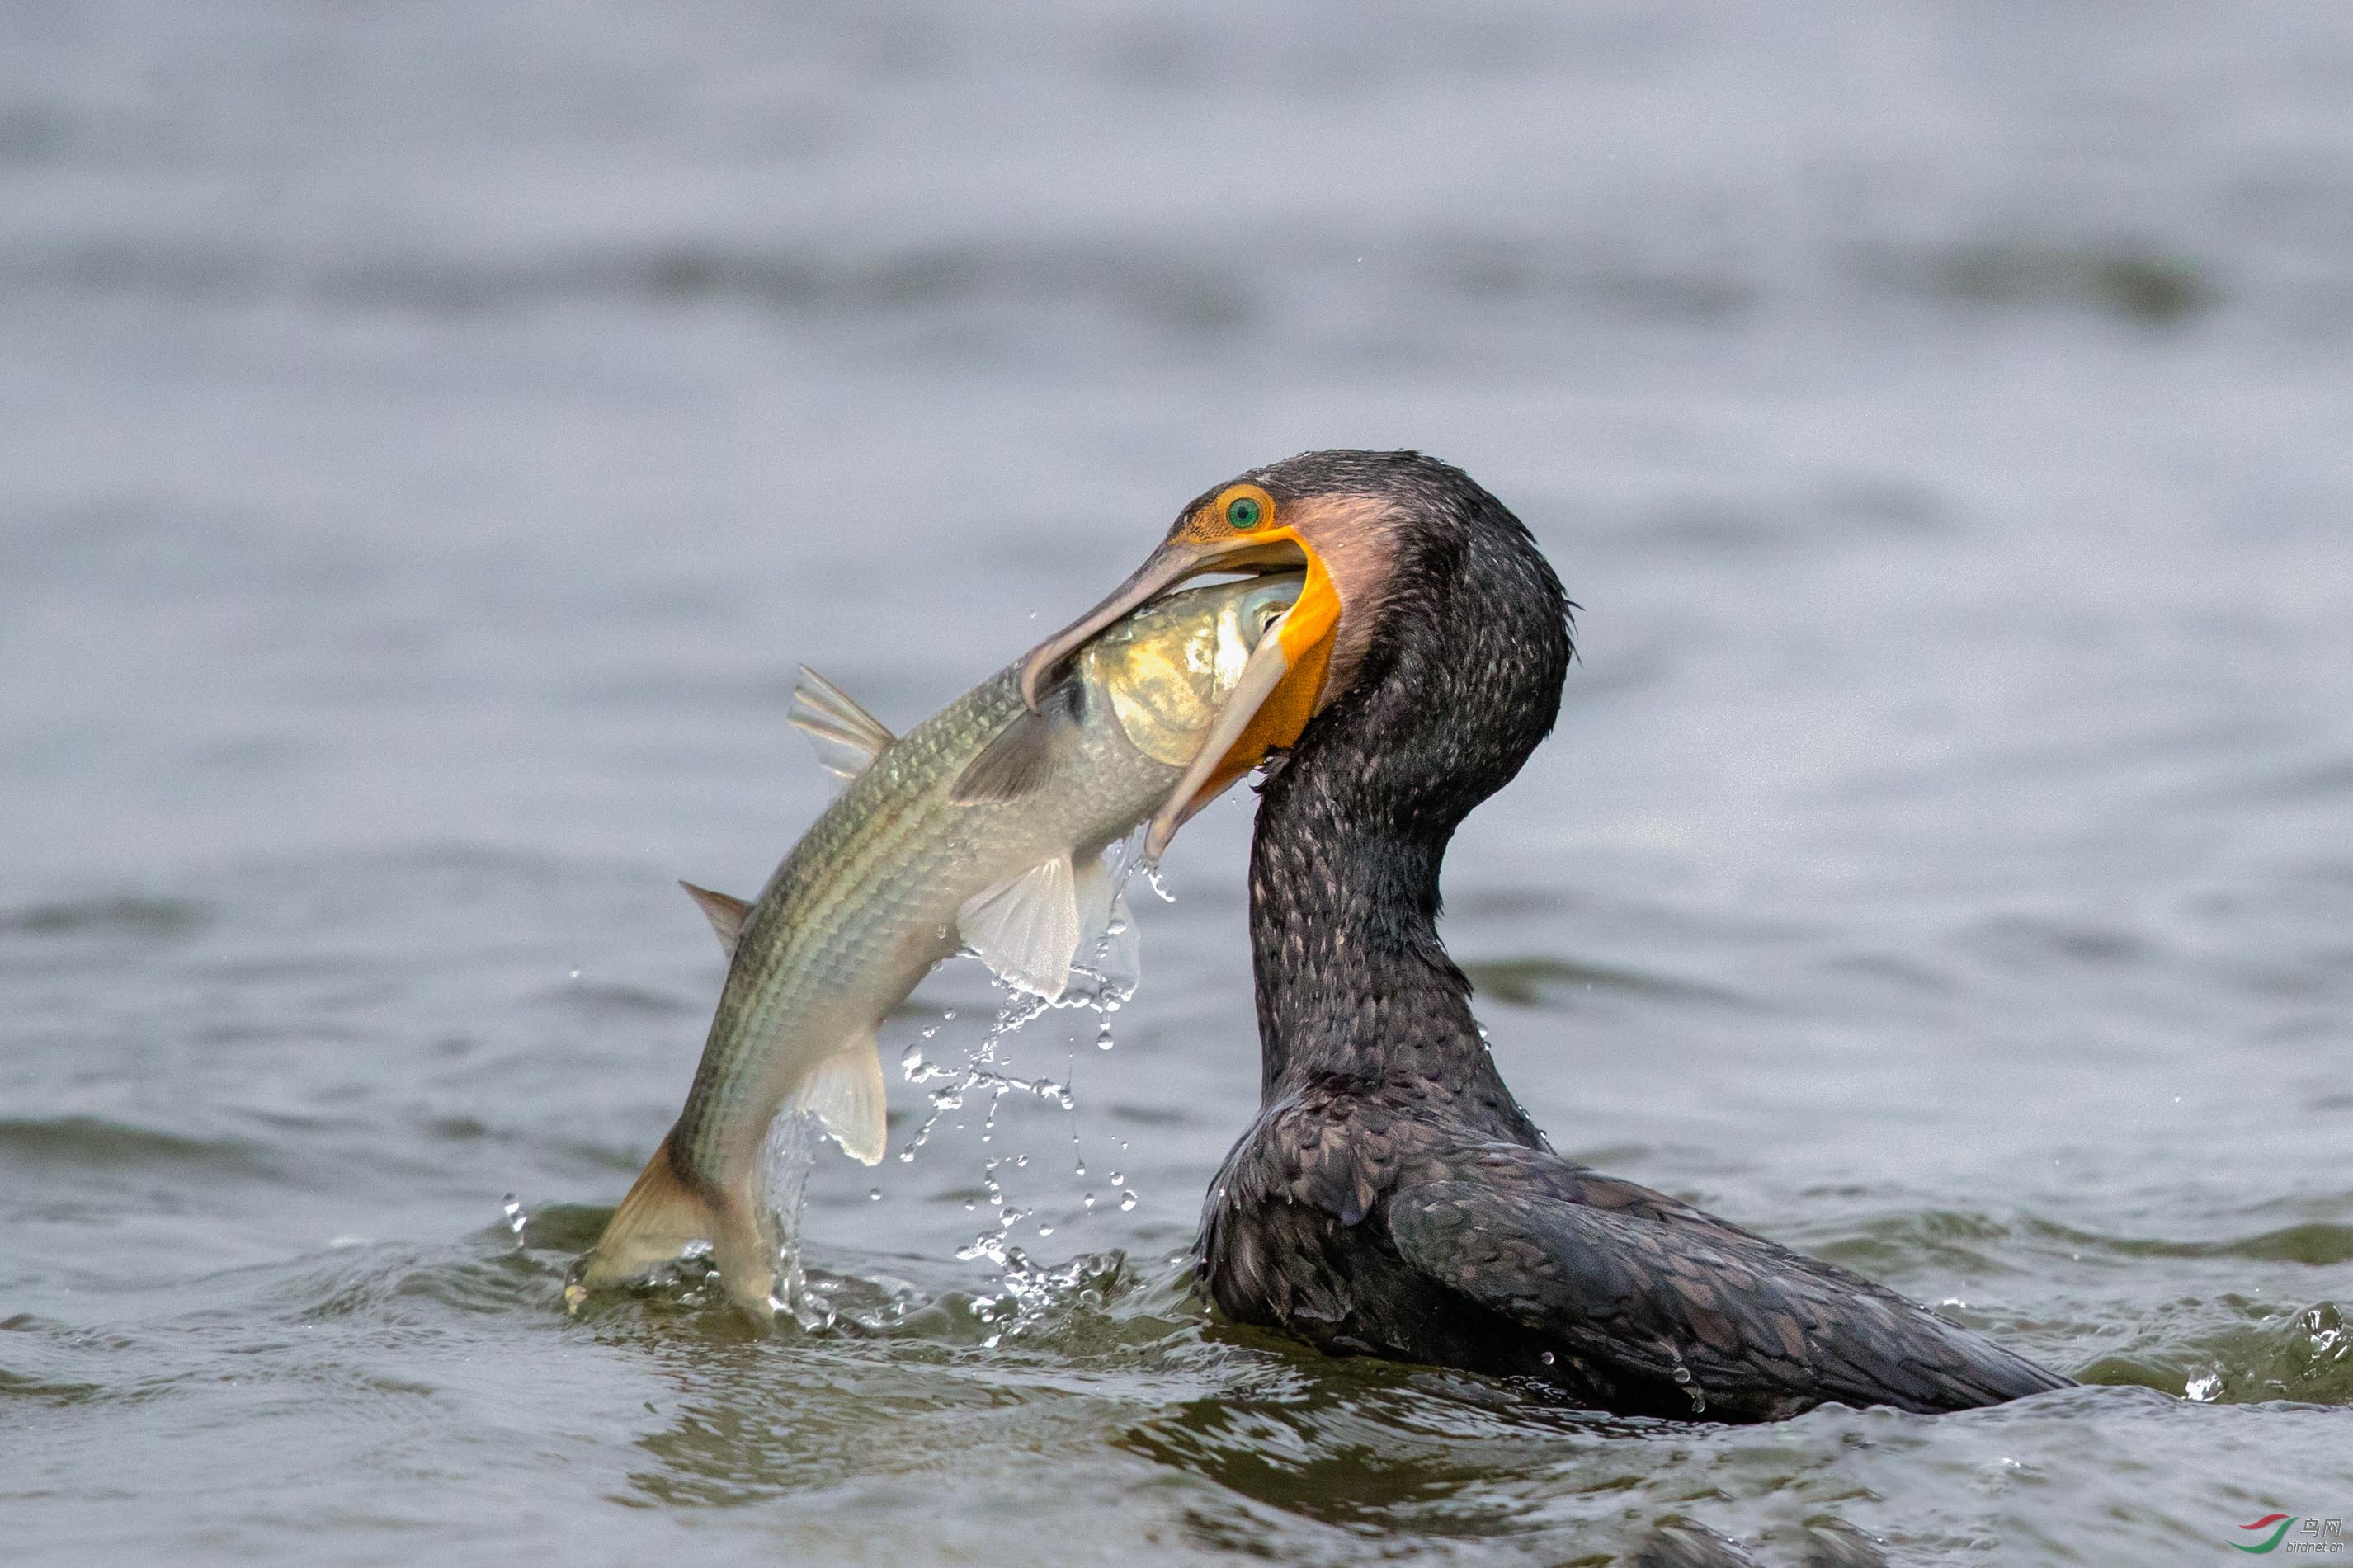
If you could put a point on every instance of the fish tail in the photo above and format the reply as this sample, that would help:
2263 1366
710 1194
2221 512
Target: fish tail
664 1213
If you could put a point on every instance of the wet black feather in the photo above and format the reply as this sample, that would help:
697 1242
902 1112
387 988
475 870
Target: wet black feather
1392 1196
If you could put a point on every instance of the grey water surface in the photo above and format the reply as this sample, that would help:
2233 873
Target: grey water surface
431 433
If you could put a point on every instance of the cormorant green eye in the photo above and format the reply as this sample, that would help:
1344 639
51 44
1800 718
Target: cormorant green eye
1243 512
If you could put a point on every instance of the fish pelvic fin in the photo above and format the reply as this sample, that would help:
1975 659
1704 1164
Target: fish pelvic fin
726 914
845 1094
1109 946
845 737
1027 928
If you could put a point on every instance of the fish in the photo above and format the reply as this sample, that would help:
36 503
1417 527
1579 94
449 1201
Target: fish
984 827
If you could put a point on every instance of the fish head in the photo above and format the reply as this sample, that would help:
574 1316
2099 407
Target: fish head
1170 668
1340 541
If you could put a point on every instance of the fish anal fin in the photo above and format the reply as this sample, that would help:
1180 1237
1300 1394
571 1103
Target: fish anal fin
1027 928
845 736
845 1094
725 914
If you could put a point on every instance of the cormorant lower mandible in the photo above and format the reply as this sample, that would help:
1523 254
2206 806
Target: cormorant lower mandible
1392 1198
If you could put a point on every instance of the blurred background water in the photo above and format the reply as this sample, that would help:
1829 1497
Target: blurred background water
431 433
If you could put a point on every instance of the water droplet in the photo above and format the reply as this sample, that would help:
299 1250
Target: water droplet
575 974
1126 1200
1008 1215
949 1014
1020 1161
1547 1358
1682 1375
1045 1230
873 1195
1117 1180
1090 1200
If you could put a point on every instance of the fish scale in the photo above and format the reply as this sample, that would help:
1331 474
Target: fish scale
910 863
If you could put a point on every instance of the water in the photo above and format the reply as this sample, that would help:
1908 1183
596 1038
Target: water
432 434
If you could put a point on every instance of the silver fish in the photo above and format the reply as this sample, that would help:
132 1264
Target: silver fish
983 828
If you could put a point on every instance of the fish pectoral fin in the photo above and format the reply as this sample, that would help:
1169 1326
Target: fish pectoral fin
845 1094
1023 756
1026 928
845 737
725 914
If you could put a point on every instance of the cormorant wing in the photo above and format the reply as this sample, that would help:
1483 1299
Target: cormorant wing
1641 1287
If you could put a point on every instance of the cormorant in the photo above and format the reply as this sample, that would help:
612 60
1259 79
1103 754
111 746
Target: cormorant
1392 1198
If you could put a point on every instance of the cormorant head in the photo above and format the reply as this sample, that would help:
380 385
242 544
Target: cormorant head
1416 577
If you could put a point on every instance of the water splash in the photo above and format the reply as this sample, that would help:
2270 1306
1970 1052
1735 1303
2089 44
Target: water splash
1104 977
1683 1377
1031 1294
789 1156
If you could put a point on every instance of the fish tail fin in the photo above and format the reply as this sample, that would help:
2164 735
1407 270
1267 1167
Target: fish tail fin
662 1215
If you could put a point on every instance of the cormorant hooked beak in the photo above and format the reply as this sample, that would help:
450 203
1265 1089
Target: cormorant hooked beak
1236 529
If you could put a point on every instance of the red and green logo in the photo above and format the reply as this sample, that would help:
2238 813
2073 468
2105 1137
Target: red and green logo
2276 1523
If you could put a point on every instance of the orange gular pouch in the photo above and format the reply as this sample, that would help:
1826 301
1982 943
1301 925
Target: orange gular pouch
1307 633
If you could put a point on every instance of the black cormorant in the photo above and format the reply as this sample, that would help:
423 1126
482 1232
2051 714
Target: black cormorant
1392 1198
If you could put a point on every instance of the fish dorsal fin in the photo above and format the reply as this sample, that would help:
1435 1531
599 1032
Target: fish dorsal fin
1026 928
845 737
1024 754
845 1094
726 915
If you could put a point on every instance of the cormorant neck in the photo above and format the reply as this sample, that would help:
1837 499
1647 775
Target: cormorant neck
1458 678
1355 989
1353 982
